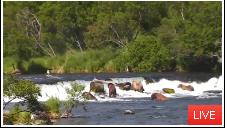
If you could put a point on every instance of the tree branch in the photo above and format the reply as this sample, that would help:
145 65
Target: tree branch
5 104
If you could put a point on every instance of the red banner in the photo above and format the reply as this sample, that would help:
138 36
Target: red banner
205 114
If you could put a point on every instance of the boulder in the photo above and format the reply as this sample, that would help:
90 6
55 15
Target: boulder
88 96
120 85
40 118
186 87
137 86
108 79
112 90
97 87
158 97
124 86
127 86
148 81
129 112
67 114
53 115
168 90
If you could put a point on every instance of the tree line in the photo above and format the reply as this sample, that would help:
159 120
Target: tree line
109 36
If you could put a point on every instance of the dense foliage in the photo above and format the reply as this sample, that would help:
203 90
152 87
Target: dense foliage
24 90
101 36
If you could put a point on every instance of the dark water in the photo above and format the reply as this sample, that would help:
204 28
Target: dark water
147 112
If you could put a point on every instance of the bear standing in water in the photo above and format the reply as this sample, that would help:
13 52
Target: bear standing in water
112 90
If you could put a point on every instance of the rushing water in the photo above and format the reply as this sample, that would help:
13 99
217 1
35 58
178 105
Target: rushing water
208 89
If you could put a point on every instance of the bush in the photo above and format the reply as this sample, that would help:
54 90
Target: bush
24 117
14 113
53 105
8 62
18 116
74 95
22 89
146 53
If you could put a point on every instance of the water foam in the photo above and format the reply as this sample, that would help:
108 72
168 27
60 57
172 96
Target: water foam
59 89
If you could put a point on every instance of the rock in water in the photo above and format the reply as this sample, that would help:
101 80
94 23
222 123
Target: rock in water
124 86
168 90
66 114
108 79
158 97
129 112
97 86
149 80
186 87
88 96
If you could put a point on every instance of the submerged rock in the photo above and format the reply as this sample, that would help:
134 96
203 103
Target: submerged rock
168 90
88 96
186 87
158 97
129 112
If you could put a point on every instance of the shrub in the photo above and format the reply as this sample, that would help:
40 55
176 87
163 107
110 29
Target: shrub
25 90
24 117
74 95
146 53
53 105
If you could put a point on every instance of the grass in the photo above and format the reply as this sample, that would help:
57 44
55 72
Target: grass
53 105
70 62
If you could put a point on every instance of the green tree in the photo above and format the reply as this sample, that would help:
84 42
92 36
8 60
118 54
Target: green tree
146 53
24 90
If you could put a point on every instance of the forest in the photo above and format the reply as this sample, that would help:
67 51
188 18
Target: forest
97 36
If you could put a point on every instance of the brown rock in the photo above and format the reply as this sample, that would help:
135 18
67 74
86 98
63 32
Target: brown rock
97 86
186 87
158 97
88 96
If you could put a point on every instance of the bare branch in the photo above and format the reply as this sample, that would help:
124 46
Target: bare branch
51 49
5 104
118 37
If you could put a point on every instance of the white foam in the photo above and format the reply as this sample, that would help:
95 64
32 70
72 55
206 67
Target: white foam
59 89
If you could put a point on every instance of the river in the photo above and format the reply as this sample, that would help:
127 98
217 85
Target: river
208 89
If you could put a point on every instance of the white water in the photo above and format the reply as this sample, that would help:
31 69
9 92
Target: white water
59 89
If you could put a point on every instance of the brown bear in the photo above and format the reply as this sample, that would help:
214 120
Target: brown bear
137 86
112 90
